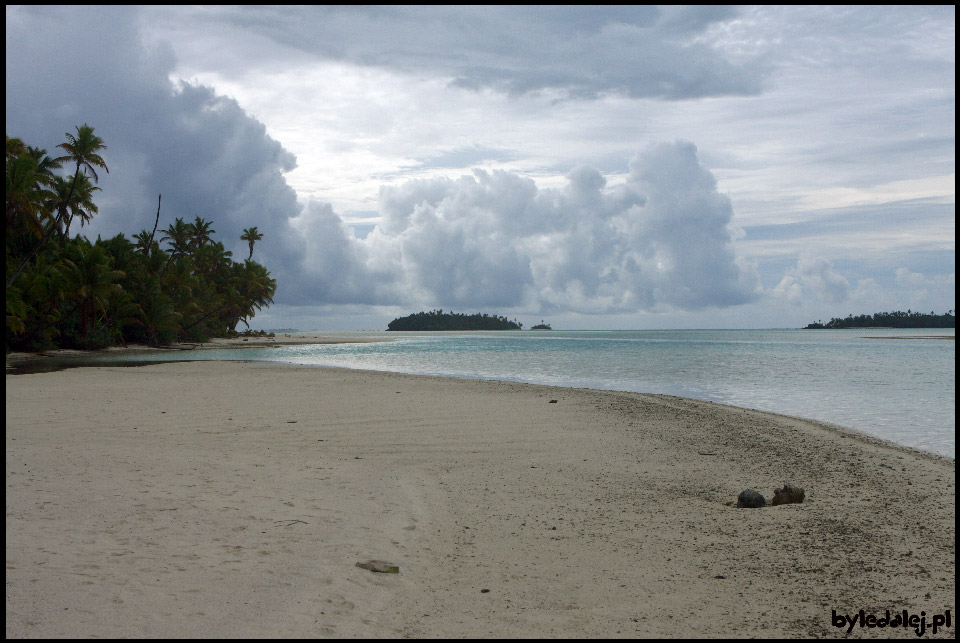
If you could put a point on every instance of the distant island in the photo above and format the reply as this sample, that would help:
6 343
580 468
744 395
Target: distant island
899 319
439 320
541 326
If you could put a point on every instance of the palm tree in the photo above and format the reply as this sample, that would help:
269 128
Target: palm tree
250 288
74 199
254 287
201 232
29 177
83 149
17 312
45 164
27 195
91 282
178 234
160 320
144 242
251 236
15 147
211 261
39 295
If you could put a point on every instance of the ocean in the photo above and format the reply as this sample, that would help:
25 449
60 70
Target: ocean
872 380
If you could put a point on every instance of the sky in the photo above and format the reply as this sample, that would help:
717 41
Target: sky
593 167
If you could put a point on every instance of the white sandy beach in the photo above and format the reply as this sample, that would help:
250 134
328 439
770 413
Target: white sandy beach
218 499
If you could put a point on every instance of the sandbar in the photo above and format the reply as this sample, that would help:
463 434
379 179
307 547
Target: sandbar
950 337
234 500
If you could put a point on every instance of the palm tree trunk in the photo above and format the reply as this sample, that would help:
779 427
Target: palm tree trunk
155 223
62 214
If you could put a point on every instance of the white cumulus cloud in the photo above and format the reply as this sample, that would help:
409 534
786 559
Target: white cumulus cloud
812 279
661 240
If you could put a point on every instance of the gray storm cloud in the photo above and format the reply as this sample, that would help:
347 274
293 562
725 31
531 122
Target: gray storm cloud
493 239
640 51
200 150
661 240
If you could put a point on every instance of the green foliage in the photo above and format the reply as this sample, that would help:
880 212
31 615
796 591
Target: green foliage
64 292
899 319
29 194
439 320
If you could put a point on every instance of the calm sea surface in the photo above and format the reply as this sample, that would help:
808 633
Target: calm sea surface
898 389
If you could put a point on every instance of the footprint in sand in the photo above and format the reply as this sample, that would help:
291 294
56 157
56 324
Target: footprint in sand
341 605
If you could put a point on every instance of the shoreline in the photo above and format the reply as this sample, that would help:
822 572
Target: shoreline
14 358
82 357
55 360
234 499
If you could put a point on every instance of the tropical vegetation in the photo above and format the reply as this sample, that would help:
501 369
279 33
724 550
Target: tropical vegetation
898 319
69 292
439 320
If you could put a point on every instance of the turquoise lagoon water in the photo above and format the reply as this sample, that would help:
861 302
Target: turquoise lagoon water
901 390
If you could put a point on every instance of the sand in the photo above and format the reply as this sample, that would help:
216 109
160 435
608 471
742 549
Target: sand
216 499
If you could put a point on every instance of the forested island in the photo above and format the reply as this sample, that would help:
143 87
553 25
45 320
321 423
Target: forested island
164 286
439 320
899 319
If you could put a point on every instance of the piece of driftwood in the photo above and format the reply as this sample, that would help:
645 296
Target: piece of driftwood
379 566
